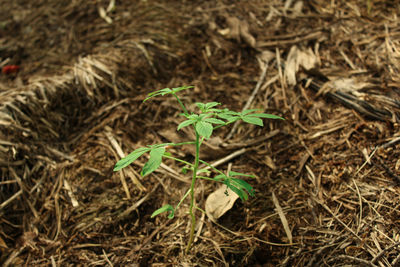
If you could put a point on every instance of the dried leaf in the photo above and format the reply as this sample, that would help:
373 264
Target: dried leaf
219 202
270 163
297 8
246 35
103 15
298 58
238 30
266 56
3 244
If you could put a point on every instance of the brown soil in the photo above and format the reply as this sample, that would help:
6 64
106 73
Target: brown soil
327 178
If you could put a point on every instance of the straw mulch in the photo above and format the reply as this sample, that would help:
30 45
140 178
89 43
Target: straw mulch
327 178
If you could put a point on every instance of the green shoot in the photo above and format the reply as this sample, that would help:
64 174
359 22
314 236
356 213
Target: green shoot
204 123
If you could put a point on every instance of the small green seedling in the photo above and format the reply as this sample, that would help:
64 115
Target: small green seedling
204 123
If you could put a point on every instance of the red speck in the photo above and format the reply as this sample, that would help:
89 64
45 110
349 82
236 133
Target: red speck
8 69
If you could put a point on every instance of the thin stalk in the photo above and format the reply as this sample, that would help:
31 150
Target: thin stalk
207 178
179 160
181 104
226 123
195 167
183 198
183 143
203 211
211 166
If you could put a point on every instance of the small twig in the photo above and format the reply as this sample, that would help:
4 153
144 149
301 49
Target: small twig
274 244
383 166
227 158
366 161
354 259
336 218
200 227
14 254
281 43
147 240
281 78
283 218
106 259
360 203
380 254
138 203
11 199
53 261
218 249
70 193
391 142
396 260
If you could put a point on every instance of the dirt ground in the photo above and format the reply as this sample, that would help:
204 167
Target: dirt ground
327 178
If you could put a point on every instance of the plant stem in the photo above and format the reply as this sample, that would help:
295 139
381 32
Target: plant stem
181 104
191 213
183 198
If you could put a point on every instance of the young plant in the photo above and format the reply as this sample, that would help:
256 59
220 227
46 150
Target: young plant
204 123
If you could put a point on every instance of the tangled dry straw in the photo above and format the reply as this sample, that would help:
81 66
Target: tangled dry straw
327 179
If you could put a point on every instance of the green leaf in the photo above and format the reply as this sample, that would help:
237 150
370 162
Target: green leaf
211 105
225 116
185 123
201 106
214 120
154 161
204 116
241 184
266 116
233 119
230 112
164 208
220 177
130 158
202 171
166 91
228 115
178 89
242 194
194 117
157 93
185 170
214 110
232 173
247 111
204 129
253 120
